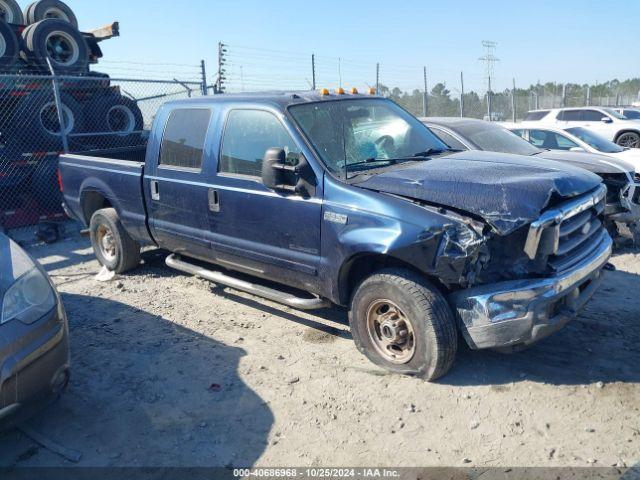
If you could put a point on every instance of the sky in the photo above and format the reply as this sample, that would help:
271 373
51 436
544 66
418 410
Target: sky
270 42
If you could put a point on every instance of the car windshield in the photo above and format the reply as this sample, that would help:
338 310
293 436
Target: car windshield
594 140
361 134
615 114
493 138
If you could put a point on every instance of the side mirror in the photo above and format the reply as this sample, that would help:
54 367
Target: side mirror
606 120
577 149
278 176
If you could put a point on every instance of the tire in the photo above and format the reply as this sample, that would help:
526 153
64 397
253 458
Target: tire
629 140
126 251
431 321
54 9
116 114
36 121
71 56
9 46
12 13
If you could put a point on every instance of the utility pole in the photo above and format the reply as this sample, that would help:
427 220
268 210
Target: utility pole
461 95
490 61
588 101
564 95
203 69
377 79
425 97
221 71
313 71
513 102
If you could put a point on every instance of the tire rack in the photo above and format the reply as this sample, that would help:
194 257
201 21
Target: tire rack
24 209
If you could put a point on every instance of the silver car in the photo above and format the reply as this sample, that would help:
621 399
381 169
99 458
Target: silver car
34 345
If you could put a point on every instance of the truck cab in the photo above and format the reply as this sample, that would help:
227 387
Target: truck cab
350 200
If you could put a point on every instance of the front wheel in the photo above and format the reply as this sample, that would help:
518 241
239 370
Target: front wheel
402 323
629 140
111 243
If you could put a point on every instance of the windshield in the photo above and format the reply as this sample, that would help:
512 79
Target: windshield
595 141
493 138
615 114
362 134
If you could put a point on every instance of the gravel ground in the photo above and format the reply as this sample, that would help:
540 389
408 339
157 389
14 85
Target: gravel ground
169 370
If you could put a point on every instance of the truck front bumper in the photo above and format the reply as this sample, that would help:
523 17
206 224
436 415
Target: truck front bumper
525 311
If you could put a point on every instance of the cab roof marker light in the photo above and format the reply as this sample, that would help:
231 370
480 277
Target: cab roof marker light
340 91
372 91
324 91
354 91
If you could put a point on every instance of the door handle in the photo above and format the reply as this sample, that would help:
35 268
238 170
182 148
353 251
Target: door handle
214 200
155 190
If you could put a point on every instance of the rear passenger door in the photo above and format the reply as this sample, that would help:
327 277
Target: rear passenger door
257 230
175 183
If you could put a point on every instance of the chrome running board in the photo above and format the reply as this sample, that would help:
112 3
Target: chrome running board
176 262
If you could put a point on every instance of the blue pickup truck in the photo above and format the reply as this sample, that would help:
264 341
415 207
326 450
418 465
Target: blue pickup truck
331 198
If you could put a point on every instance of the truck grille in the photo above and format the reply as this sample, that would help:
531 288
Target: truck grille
570 232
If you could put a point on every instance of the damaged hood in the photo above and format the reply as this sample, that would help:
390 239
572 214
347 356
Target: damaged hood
507 191
589 161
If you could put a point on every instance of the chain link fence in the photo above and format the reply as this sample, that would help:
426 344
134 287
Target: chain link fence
41 116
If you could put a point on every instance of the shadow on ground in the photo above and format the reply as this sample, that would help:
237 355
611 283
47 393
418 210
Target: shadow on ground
146 392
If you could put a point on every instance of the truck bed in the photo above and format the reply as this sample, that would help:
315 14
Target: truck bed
104 181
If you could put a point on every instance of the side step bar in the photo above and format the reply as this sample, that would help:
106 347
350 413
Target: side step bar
174 261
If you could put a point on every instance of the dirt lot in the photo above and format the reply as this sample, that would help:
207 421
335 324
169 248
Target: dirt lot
171 370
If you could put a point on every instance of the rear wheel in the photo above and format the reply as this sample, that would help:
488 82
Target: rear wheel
402 323
629 140
112 245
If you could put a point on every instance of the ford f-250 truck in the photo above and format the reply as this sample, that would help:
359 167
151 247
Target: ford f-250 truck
350 200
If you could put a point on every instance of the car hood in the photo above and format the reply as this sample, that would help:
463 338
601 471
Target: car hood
631 155
507 191
593 162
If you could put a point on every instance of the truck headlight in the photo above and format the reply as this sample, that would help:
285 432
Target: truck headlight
29 295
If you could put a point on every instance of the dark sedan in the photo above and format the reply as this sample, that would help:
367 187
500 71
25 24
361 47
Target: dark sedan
34 345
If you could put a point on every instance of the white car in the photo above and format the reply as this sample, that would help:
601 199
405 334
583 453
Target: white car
605 121
576 139
632 113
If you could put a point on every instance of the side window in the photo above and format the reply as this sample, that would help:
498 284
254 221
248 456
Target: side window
184 138
550 140
564 143
570 115
521 133
448 139
247 136
537 137
592 115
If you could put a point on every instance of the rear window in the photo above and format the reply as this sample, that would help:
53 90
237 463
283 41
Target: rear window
532 116
184 138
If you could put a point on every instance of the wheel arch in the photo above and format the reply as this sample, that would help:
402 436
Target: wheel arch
626 130
91 201
361 265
